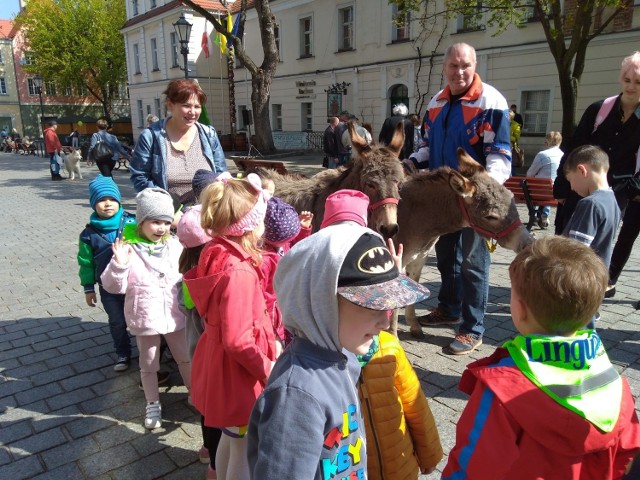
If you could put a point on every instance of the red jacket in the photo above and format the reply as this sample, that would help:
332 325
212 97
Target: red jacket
510 429
51 141
235 353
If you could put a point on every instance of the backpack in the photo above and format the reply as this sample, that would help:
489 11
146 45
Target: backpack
100 151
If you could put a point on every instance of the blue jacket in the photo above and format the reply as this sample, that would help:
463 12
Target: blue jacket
148 164
477 122
110 140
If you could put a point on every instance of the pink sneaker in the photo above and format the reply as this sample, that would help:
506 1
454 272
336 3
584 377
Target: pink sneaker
211 474
203 455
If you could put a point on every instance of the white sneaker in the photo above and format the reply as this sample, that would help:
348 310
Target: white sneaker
153 417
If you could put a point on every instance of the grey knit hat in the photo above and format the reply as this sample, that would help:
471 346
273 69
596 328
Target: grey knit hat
154 203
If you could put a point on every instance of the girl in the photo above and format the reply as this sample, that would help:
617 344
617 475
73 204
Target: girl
237 350
145 268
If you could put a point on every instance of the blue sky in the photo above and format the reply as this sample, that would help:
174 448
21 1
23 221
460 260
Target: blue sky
9 9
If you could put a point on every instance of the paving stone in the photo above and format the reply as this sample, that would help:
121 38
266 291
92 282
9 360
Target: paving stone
69 452
67 359
66 472
37 443
87 425
76 347
52 375
118 434
56 418
108 460
154 466
81 380
69 398
94 363
16 353
36 357
24 468
16 431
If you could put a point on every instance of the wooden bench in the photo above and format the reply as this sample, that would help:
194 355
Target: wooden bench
533 192
250 164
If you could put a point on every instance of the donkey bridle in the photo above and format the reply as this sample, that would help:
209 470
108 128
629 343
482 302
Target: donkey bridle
496 236
384 201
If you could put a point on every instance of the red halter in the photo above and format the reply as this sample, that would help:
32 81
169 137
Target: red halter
382 202
496 236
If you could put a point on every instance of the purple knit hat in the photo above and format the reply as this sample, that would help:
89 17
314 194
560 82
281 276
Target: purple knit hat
281 223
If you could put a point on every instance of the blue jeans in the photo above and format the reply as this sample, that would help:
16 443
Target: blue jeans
543 211
114 306
343 158
463 262
55 168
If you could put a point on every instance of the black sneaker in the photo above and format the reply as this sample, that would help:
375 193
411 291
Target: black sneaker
610 291
163 377
463 344
437 318
122 364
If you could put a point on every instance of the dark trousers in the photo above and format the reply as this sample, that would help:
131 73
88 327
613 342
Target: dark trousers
211 437
114 306
626 238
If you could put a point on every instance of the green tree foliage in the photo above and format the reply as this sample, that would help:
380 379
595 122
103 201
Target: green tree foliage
568 28
78 42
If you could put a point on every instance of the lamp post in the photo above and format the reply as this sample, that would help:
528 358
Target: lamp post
183 30
37 81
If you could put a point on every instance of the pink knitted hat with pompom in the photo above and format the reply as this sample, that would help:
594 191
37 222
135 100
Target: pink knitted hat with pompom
190 232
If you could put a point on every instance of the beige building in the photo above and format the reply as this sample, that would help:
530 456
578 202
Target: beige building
9 100
350 56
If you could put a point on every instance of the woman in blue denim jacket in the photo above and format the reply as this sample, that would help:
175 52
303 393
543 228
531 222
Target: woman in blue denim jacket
168 154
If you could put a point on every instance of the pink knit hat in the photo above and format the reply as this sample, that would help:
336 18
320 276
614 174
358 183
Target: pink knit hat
254 216
346 205
190 232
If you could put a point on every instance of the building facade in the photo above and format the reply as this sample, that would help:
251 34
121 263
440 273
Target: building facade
10 116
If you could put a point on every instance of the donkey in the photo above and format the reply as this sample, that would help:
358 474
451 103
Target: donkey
444 201
376 170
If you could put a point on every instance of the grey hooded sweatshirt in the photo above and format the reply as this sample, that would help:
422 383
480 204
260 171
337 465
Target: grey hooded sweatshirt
307 424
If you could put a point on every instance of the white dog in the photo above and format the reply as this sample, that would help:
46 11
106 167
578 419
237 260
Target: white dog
72 164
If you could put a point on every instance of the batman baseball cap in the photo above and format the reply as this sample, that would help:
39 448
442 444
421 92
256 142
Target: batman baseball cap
370 278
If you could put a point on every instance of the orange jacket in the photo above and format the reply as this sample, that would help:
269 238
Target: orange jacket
402 437
51 141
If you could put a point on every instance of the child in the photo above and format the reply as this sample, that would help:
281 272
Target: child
334 289
549 404
345 205
596 217
237 350
193 238
282 228
146 269
94 254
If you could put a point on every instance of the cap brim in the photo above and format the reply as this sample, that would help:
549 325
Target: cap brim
389 295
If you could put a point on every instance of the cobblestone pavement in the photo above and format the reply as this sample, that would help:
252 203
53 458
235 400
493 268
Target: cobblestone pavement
64 412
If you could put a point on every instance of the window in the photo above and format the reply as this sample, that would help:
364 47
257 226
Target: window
140 114
307 117
3 86
81 89
136 58
241 117
156 102
1 58
398 94
400 24
345 28
276 34
134 4
31 87
153 4
535 112
173 39
276 117
154 54
50 88
28 58
306 33
471 19
67 91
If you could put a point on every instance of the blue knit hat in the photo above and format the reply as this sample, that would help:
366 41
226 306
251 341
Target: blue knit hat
201 180
281 223
101 187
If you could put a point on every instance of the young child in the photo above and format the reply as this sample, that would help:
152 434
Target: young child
283 227
145 268
597 216
94 254
193 238
237 350
402 435
549 404
334 289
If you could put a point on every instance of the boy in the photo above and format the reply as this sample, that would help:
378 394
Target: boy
334 289
597 216
549 404
94 254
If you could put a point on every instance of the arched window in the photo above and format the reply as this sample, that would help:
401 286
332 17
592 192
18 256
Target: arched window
398 94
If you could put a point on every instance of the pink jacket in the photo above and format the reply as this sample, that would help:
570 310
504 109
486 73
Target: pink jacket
151 301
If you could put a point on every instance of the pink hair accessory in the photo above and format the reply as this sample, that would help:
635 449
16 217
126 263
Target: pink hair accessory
224 177
255 216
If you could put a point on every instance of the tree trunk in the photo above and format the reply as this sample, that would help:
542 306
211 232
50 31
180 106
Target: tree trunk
569 95
261 86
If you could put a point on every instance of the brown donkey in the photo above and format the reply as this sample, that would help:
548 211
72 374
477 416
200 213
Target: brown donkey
444 201
376 170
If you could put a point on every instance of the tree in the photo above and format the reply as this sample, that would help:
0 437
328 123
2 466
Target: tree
78 43
261 75
567 32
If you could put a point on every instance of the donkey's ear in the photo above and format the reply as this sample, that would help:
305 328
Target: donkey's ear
397 141
360 145
467 166
461 185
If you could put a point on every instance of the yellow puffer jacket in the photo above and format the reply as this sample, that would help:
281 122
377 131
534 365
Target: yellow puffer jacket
402 437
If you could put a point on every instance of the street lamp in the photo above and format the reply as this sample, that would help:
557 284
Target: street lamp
37 82
183 30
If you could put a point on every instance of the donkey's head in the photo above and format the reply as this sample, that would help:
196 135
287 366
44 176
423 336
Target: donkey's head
488 207
377 171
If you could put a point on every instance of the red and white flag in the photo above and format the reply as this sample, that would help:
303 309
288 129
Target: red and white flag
207 46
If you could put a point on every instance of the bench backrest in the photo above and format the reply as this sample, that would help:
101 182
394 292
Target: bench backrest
540 190
251 164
